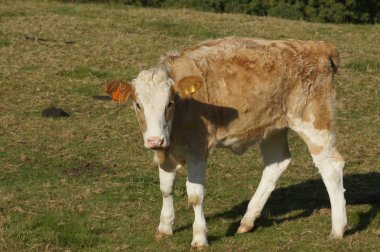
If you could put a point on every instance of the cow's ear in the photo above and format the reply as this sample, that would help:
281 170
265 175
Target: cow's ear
188 85
119 90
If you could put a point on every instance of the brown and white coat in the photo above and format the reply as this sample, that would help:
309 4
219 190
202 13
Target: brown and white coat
235 92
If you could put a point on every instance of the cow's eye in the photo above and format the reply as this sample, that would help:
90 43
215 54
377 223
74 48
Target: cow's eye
170 104
138 106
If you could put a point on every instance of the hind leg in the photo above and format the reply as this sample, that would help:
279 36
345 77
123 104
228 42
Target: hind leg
321 144
276 157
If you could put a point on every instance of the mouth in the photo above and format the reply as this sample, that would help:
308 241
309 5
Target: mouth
157 148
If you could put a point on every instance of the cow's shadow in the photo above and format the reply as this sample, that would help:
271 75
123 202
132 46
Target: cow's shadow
309 197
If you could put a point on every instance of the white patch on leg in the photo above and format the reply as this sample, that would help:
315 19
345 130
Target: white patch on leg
167 212
330 165
332 175
195 194
313 136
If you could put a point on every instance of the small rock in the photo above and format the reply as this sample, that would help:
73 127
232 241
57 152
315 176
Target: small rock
54 112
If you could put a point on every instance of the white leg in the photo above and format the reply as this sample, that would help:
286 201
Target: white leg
276 156
167 179
195 191
330 166
321 144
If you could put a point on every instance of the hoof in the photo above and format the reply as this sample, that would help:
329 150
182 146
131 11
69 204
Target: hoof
161 235
199 245
244 228
336 236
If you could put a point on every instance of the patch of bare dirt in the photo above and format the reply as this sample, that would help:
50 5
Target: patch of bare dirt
88 168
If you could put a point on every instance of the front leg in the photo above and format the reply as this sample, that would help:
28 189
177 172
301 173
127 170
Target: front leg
167 177
195 191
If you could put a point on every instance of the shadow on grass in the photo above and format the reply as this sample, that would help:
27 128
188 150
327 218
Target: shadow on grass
309 197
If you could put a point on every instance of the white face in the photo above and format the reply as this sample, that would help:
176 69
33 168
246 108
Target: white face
154 105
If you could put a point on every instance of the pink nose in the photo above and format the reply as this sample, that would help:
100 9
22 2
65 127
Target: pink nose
155 142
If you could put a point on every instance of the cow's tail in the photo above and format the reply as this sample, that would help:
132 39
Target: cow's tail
333 56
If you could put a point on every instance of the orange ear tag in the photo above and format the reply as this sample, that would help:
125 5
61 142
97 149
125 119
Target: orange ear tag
116 95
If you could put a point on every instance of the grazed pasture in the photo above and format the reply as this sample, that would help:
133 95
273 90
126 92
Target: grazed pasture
85 182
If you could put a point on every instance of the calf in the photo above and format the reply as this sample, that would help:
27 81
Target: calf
234 92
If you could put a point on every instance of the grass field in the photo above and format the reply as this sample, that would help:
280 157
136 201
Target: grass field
85 182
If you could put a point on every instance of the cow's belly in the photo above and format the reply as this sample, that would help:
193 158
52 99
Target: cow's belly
237 144
240 140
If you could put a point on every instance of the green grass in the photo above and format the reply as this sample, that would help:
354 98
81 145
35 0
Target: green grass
367 65
86 183
82 72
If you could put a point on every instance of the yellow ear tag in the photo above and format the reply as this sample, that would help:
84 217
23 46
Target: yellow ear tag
191 90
